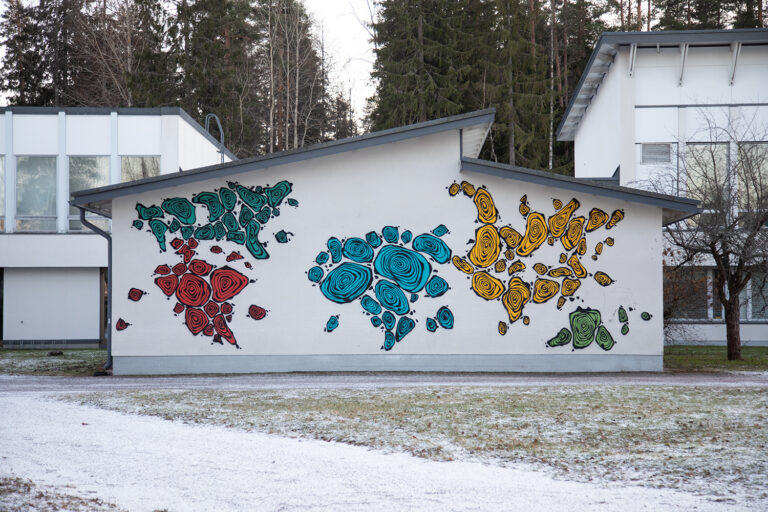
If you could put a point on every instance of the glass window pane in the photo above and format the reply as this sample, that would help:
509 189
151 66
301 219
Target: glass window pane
87 172
36 192
139 167
706 167
656 154
718 311
752 172
685 293
760 297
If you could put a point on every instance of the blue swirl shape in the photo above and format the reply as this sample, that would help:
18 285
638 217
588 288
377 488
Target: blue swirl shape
358 250
406 236
370 305
373 238
332 323
346 282
440 230
414 297
436 286
431 325
322 257
390 234
391 297
389 340
404 326
445 317
389 319
433 246
335 247
375 321
315 274
409 269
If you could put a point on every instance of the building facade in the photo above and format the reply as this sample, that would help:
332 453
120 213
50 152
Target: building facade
52 268
651 105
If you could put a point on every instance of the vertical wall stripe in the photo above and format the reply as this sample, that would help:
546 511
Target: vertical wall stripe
10 175
114 158
62 177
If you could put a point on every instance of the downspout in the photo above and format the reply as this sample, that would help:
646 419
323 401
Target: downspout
106 235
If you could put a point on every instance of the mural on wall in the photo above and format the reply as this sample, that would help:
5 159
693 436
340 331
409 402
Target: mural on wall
586 326
501 249
386 272
204 291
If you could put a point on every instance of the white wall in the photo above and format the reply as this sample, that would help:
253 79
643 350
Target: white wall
51 304
89 135
53 250
195 150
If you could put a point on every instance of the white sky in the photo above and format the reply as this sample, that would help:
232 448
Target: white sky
347 41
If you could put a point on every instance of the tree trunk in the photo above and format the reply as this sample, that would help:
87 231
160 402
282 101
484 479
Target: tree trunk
621 4
639 15
510 92
732 331
271 43
649 16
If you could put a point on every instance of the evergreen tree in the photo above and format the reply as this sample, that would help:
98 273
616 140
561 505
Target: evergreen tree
22 72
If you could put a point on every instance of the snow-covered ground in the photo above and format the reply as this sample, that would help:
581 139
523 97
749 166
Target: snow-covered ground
144 463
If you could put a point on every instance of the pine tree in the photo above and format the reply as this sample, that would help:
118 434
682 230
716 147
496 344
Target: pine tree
22 72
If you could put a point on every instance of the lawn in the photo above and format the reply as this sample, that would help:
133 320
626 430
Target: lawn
72 363
713 359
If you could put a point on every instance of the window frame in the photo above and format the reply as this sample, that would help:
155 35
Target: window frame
55 217
89 216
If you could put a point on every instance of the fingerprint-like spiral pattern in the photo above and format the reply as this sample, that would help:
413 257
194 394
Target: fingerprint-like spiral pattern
550 240
315 274
486 286
220 324
515 298
228 198
370 305
486 250
138 224
540 268
560 272
570 286
609 241
389 319
332 323
135 294
560 302
193 291
409 269
623 317
572 234
390 234
357 250
404 326
158 229
454 189
624 330
375 321
604 339
175 225
444 317
334 246
389 340
251 198
277 193
597 218
180 208
503 328
211 308
577 267
582 248
500 266
226 283
517 266
524 209
167 284
246 214
561 338
230 222
263 215
146 213
616 216
322 258
406 236
346 282
391 297
433 246
373 239
559 220
486 210
544 289
646 315
535 234
511 237
462 265
205 232
557 204
431 325
584 322
196 320
211 201
599 248
468 188
440 230
563 257
510 254
200 267
602 278
219 230
436 286
187 231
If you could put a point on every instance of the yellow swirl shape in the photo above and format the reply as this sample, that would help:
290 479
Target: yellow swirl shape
515 298
540 268
486 286
535 234
462 265
573 233
559 220
550 241
510 236
557 204
594 257
486 210
544 289
517 266
454 189
599 248
524 209
500 266
582 249
486 250
524 198
560 302
603 279
570 286
509 254
577 267
468 188
609 242
616 216
563 257
526 320
560 272
597 218
502 328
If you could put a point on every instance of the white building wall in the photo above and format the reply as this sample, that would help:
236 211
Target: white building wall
195 150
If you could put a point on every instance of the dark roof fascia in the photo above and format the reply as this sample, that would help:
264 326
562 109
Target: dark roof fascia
580 185
696 37
102 111
284 157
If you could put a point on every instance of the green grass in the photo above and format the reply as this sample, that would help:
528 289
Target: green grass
73 363
714 359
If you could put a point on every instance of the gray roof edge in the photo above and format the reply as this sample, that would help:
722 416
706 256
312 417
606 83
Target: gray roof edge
123 111
752 35
285 157
580 185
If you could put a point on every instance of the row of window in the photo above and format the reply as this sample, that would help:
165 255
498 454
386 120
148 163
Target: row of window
699 299
36 186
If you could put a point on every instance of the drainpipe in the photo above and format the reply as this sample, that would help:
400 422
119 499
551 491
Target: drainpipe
106 235
221 132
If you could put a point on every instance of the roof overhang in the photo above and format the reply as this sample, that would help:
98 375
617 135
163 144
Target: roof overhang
673 208
608 46
473 128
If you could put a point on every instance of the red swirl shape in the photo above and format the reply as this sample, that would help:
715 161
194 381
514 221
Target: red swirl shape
200 267
208 331
179 269
176 243
163 270
226 283
256 312
167 284
211 308
135 294
192 243
220 324
178 308
121 324
196 320
216 249
226 308
234 255
193 291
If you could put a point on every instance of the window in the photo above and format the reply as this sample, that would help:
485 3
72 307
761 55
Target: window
2 194
752 299
139 167
759 292
656 154
685 293
706 170
87 172
36 193
752 175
